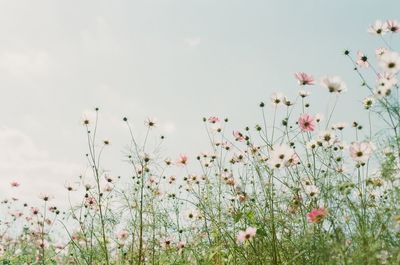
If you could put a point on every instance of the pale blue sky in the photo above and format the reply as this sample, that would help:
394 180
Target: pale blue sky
177 60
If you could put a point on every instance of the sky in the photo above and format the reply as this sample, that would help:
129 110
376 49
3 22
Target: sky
176 60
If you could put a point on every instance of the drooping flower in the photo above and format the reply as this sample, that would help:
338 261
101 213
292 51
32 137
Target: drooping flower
361 151
306 123
317 215
389 62
339 126
249 233
303 93
378 28
334 84
304 79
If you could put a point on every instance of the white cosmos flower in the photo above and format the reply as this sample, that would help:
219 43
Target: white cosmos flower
312 190
361 151
280 156
327 138
334 84
380 51
389 62
278 99
312 144
304 93
378 28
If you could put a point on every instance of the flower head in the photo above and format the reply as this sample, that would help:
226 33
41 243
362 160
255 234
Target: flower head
378 28
281 156
362 59
213 119
150 122
306 123
393 26
389 62
334 84
304 79
14 184
182 160
249 233
361 151
317 215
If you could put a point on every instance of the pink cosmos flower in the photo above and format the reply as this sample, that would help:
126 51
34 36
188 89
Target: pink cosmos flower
238 136
317 215
246 235
362 60
393 26
306 123
304 79
213 119
182 160
14 184
123 235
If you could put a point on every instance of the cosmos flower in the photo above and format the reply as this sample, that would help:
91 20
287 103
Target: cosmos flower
182 160
312 190
378 28
304 79
280 156
249 233
317 215
389 62
238 136
213 119
123 235
393 26
306 123
361 151
362 60
278 99
150 122
327 138
303 93
334 84
380 51
14 184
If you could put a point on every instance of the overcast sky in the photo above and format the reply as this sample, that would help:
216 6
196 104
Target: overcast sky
177 60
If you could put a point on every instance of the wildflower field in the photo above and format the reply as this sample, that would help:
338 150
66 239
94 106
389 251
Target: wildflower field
299 187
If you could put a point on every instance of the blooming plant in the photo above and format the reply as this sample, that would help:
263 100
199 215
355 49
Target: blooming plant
297 188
